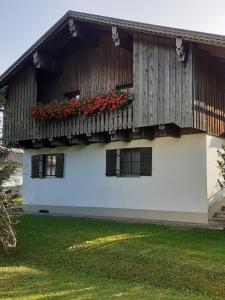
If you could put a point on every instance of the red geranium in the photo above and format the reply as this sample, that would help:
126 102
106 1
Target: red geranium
93 105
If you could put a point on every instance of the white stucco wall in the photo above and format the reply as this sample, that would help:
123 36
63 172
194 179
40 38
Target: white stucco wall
214 192
178 181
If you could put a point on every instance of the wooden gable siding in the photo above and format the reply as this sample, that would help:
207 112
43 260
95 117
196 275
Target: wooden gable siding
21 96
92 70
163 84
209 95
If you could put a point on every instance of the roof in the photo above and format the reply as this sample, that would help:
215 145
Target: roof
188 35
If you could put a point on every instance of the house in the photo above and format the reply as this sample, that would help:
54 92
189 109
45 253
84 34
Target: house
136 122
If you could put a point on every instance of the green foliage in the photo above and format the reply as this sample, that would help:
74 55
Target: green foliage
8 215
59 258
221 165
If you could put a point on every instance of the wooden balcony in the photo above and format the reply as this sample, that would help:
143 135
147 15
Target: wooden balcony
50 130
107 122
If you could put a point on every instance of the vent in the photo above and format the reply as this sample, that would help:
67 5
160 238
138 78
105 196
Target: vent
44 211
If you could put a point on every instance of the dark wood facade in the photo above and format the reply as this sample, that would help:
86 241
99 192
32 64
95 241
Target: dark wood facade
209 94
169 88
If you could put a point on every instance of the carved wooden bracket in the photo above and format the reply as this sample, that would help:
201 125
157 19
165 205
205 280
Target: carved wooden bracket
121 38
44 62
180 49
74 28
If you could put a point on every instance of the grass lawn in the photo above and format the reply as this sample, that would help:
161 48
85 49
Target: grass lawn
59 258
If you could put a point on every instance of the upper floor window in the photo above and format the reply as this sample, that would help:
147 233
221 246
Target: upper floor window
129 162
125 87
72 94
47 165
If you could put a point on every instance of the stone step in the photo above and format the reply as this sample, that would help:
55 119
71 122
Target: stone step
218 219
220 214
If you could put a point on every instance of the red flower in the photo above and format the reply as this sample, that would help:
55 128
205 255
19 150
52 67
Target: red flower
93 105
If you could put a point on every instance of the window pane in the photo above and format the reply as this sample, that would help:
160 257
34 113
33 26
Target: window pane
130 162
48 170
135 163
49 160
135 168
53 170
40 166
50 165
53 160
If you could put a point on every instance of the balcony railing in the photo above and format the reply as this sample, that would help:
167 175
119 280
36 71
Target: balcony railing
72 126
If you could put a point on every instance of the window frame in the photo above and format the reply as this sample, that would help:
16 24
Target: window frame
114 162
40 165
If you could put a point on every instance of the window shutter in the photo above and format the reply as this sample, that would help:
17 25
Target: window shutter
59 165
146 162
111 162
35 166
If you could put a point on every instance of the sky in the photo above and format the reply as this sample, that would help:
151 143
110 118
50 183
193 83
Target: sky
22 22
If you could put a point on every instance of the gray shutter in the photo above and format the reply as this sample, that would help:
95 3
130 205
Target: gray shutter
59 165
35 166
146 161
111 162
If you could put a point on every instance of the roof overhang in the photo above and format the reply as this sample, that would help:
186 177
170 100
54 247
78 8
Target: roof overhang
187 35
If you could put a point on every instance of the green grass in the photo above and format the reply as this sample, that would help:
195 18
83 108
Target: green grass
60 258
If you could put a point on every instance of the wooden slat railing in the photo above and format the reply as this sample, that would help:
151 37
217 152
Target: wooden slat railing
49 129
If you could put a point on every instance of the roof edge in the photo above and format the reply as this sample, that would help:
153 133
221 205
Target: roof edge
192 36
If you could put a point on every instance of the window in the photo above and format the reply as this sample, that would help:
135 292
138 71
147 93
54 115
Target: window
129 162
125 87
73 94
47 165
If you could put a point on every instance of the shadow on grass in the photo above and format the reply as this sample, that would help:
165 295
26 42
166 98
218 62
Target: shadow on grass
89 259
28 283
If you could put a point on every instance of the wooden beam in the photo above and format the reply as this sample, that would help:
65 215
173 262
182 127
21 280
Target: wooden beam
169 130
78 140
121 135
99 138
122 38
143 133
74 28
181 49
58 142
38 144
44 62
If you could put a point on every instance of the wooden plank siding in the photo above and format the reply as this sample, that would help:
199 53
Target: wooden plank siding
91 70
163 84
190 94
209 95
21 96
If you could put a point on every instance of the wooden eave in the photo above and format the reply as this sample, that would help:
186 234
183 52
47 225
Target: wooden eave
190 36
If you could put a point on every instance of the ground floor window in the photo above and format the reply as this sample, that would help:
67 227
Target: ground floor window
129 162
47 165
